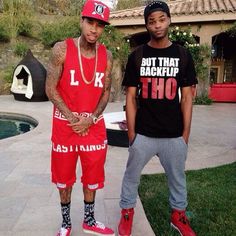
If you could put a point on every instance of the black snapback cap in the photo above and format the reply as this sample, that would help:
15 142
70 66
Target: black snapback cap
156 6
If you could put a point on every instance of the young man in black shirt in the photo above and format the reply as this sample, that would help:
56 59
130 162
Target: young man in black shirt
160 123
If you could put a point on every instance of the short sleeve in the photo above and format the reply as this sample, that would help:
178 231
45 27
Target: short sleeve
131 77
190 73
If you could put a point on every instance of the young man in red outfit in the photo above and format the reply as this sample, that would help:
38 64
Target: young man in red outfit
78 84
160 123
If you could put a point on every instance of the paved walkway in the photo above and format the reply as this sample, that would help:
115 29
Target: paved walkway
29 203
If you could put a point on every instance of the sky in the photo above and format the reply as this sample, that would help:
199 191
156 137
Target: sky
110 3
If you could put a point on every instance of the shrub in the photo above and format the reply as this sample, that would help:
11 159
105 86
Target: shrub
200 53
4 33
183 37
17 16
59 30
202 100
21 49
25 27
115 42
124 4
201 56
232 30
8 74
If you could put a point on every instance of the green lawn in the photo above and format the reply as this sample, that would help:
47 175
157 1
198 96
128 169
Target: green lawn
211 201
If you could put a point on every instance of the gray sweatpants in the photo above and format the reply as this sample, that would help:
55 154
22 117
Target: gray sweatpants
172 153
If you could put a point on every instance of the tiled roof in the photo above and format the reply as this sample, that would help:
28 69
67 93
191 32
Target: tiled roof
184 7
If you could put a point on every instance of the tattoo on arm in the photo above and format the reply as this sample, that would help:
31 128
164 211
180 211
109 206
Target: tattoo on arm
54 72
107 87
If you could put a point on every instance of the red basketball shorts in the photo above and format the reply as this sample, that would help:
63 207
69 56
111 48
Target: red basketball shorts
92 158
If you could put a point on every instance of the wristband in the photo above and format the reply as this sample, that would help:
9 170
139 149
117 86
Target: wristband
94 118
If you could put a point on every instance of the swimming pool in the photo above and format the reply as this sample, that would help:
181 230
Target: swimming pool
12 124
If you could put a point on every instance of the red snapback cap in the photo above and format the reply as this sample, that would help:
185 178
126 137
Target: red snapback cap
97 10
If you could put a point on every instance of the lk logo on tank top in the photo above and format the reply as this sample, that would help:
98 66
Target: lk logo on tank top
158 77
97 82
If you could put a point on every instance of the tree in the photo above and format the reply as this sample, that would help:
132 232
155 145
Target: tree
62 7
16 21
201 55
124 4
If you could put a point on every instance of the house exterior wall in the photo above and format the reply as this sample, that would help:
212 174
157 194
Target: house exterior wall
204 30
205 18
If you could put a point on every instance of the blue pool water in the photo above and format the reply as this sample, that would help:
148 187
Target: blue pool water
12 124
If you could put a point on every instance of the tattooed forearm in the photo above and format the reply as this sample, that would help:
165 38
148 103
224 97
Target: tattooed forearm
54 72
104 97
107 87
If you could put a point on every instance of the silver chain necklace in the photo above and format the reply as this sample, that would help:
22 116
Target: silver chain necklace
81 65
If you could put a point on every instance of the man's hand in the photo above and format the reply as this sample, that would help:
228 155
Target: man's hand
81 126
131 137
185 137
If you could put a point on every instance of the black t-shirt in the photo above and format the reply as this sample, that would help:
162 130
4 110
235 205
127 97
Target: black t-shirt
158 81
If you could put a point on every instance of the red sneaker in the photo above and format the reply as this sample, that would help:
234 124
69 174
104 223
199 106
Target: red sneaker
64 232
126 221
180 222
98 229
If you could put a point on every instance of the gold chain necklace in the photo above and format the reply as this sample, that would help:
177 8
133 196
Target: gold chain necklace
81 65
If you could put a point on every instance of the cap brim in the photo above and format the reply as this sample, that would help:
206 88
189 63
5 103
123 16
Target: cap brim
104 22
156 9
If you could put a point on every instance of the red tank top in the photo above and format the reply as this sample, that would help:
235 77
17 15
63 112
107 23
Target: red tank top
79 96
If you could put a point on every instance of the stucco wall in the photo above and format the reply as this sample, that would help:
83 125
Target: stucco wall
204 30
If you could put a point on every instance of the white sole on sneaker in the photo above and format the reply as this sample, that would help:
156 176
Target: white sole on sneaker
95 233
172 225
70 233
